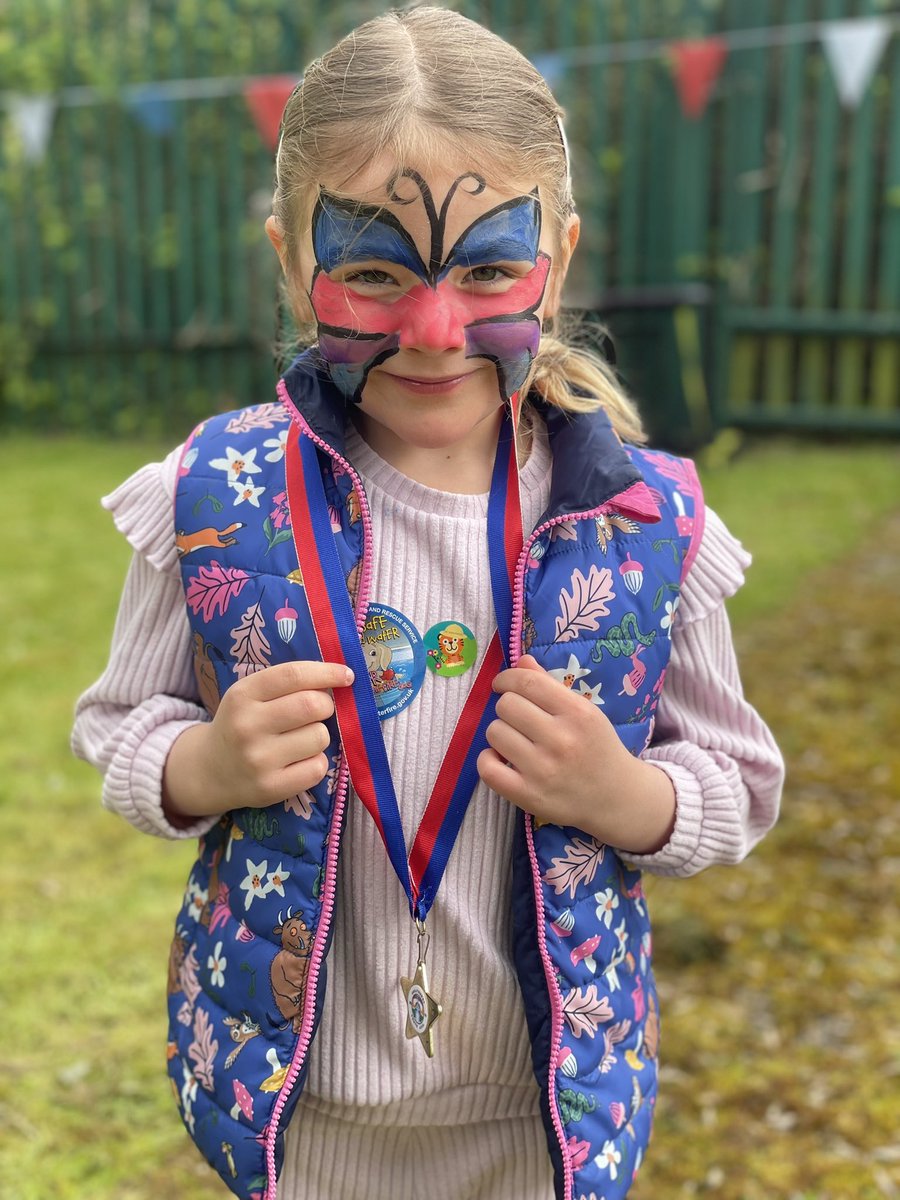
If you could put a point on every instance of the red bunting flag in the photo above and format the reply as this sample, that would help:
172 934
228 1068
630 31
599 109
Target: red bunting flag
266 97
698 63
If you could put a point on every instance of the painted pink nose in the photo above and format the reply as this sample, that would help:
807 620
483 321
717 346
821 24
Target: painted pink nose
431 321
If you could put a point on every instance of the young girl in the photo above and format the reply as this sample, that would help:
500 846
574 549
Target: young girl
434 578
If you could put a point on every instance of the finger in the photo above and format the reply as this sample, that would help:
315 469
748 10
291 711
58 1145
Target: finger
503 779
526 716
518 751
299 744
301 776
529 662
296 710
538 687
298 676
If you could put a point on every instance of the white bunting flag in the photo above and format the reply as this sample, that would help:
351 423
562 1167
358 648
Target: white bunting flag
32 118
853 49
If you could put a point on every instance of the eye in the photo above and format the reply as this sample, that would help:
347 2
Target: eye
488 274
370 277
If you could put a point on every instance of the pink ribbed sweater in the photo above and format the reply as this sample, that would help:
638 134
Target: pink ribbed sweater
375 1111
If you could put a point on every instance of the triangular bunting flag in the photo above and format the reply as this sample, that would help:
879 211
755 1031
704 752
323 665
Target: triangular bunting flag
32 118
266 98
152 108
853 49
698 63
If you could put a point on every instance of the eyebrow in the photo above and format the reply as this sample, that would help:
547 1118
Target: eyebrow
486 249
345 232
511 231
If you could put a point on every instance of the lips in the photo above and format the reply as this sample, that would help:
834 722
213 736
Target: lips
429 386
437 381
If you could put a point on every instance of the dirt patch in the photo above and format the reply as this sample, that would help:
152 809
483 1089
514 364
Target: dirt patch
780 979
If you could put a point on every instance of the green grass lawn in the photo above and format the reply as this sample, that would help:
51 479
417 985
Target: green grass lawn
778 1075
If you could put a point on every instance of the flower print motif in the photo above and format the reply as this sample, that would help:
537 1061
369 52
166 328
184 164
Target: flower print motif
278 445
236 463
569 675
608 1159
252 883
671 609
591 693
621 934
280 516
188 1095
217 963
645 952
606 902
195 898
246 491
275 882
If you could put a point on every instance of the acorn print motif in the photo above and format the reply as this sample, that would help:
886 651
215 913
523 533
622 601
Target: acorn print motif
287 622
632 573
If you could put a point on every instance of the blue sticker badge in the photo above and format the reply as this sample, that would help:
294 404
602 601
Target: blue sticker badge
395 657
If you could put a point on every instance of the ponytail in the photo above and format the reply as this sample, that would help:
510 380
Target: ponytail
577 379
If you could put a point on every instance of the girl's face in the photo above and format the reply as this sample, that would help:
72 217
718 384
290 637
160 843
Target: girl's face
428 291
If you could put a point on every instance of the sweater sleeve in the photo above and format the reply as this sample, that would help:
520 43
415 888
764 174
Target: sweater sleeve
127 722
717 750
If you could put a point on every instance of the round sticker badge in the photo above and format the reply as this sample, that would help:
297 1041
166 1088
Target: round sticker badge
395 657
450 648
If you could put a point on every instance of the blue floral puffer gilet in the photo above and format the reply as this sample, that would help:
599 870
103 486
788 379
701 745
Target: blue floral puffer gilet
597 587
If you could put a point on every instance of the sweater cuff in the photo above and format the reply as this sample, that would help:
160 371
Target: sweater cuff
705 831
132 785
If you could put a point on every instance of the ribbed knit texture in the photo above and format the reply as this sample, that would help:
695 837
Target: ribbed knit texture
377 1117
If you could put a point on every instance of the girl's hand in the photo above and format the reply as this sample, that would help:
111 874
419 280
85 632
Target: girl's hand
264 744
554 754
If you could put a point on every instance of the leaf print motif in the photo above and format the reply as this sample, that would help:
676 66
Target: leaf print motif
671 468
203 1049
189 983
585 1011
564 530
578 865
582 610
262 416
213 588
250 646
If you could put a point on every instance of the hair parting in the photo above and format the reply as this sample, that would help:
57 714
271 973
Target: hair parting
426 85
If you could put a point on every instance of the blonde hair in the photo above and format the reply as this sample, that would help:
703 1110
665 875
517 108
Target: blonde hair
426 84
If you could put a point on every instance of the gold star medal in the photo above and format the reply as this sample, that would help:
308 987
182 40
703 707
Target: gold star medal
422 1010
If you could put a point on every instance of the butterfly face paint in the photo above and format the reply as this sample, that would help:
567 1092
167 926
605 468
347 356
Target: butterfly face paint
443 306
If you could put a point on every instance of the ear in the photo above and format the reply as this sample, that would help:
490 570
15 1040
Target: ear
276 237
568 242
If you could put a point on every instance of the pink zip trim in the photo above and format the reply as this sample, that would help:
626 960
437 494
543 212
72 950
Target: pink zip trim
515 642
699 518
639 493
330 886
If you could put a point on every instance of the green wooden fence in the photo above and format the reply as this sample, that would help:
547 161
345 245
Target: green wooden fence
748 261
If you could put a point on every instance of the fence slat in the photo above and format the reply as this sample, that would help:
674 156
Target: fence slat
777 368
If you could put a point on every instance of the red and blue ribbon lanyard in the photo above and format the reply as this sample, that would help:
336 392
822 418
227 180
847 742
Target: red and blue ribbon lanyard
338 638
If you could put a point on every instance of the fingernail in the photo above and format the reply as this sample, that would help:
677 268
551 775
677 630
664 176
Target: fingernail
349 676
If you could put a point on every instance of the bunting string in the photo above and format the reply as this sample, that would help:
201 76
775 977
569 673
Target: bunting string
853 48
576 56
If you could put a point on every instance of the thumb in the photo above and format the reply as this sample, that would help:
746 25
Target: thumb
529 663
